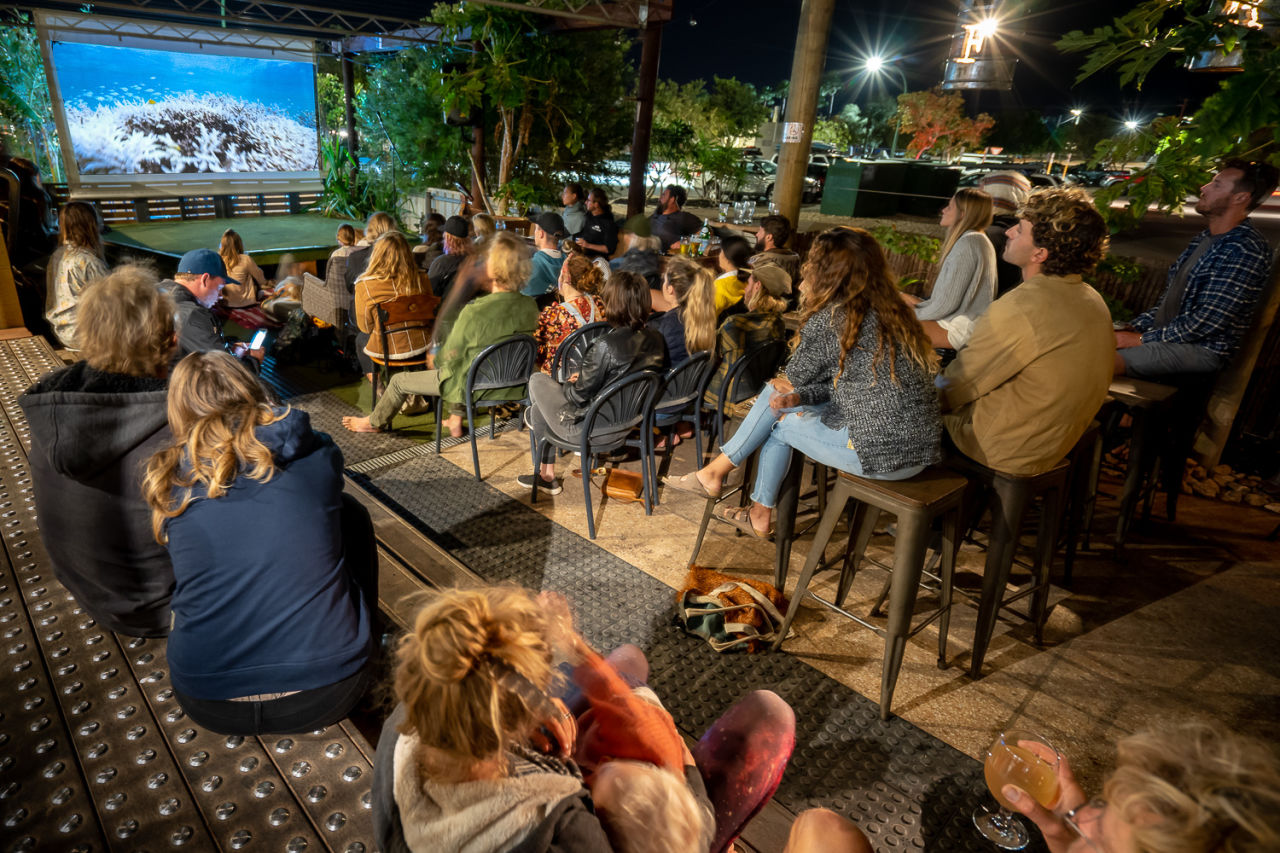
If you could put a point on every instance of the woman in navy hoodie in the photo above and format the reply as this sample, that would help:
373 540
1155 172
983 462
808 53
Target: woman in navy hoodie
276 581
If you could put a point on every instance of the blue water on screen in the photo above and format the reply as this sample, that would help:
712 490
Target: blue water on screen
92 75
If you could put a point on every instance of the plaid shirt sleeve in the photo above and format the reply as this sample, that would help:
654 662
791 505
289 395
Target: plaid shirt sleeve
1221 294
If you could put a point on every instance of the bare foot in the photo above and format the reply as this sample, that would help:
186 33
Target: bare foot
454 423
359 424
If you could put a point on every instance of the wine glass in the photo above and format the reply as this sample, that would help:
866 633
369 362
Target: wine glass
1014 759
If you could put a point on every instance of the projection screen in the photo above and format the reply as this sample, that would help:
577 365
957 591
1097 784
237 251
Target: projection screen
153 110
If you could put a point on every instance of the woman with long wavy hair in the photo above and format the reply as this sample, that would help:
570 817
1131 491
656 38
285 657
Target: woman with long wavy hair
77 264
275 569
858 392
391 273
241 268
966 280
578 286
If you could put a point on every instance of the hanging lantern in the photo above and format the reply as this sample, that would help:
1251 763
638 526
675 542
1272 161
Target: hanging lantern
1242 13
974 61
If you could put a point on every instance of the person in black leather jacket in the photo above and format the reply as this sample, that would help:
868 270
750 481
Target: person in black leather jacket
629 347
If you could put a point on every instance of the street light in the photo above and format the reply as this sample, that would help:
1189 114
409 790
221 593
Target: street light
876 65
1131 124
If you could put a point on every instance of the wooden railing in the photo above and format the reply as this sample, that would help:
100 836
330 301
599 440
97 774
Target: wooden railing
119 211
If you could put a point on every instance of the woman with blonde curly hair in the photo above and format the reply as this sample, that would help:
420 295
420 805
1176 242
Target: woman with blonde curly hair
579 286
76 265
1191 788
858 392
273 610
479 757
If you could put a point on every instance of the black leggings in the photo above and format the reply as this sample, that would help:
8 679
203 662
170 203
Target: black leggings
312 709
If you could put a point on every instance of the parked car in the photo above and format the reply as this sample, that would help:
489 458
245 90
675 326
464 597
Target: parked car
1115 176
760 178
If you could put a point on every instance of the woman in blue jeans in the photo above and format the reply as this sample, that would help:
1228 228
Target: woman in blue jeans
858 392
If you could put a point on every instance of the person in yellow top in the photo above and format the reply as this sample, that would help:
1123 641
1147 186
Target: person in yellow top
734 268
1039 361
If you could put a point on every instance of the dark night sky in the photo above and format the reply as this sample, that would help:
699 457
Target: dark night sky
754 40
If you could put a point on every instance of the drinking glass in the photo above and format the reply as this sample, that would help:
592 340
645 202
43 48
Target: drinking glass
1012 761
773 208
724 211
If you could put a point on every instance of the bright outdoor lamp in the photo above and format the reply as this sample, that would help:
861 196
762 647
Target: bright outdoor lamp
974 61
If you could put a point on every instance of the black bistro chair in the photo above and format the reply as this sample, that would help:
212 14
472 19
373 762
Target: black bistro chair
679 398
617 410
745 379
574 348
506 364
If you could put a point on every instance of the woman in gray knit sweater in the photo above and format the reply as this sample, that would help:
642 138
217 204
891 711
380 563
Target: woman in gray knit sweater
858 393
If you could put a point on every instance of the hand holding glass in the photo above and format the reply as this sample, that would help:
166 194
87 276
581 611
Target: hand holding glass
1028 761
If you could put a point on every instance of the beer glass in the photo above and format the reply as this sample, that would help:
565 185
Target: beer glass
1012 761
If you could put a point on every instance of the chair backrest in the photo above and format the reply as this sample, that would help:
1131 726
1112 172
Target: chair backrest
749 373
574 348
685 383
621 405
411 316
329 300
508 362
13 208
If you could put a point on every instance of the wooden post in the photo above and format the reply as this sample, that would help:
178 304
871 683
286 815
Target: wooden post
652 48
1231 387
802 105
349 107
477 161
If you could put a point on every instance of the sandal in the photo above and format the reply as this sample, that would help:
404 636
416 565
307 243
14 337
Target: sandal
740 517
689 483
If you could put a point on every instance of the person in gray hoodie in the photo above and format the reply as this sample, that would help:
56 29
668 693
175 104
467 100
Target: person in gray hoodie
93 426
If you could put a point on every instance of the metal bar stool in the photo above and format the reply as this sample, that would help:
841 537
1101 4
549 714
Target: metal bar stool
916 502
1147 404
1086 460
1011 495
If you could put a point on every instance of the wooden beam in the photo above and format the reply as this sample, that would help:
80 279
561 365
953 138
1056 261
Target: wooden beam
802 105
645 88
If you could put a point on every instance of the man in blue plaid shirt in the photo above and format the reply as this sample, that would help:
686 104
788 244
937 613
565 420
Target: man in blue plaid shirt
1213 287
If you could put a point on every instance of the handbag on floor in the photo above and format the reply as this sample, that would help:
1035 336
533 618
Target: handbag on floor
731 614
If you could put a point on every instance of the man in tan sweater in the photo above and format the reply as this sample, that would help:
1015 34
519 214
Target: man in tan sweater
1039 361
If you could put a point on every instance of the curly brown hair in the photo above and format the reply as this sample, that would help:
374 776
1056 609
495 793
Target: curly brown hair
1065 223
846 269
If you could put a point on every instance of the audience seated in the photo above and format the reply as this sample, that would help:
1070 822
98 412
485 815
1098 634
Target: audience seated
483 226
1190 788
858 393
966 279
758 322
93 425
580 286
574 213
432 245
1213 288
691 326
250 282
1008 191
479 755
670 221
196 288
75 265
379 223
641 251
629 347
1038 363
548 230
735 252
771 246
457 248
346 237
276 596
494 315
599 234
391 273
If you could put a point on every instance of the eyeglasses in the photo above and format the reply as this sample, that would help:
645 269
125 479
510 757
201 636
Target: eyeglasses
1093 820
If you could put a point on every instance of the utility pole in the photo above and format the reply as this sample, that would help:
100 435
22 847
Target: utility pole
802 105
645 88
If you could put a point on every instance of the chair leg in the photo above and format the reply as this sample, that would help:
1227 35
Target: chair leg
862 523
707 512
471 435
537 465
586 492
825 528
439 420
1046 545
908 563
785 528
950 545
1007 506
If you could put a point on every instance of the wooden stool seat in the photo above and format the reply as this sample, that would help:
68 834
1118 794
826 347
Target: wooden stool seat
916 502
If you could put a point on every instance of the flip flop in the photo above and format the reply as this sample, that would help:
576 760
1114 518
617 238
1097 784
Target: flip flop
689 483
740 517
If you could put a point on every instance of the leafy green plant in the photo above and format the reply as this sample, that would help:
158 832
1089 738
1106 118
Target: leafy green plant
26 113
907 243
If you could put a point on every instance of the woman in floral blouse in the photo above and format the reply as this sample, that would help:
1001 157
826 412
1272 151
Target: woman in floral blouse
579 285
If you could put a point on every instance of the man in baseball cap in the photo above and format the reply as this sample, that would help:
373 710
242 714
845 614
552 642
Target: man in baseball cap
548 231
195 288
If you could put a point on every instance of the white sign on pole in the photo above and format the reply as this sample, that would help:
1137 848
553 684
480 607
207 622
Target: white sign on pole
793 131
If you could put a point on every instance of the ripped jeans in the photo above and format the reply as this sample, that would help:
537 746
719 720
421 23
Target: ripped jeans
802 430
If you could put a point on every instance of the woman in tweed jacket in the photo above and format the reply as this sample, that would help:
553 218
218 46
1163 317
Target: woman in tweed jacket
858 393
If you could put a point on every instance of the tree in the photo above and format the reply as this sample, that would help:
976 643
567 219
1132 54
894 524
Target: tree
936 119
1241 119
1020 131
695 130
26 112
844 130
